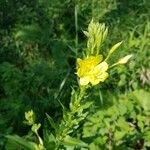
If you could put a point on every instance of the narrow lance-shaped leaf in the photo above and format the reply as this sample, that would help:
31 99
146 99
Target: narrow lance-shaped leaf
115 47
22 142
52 123
105 33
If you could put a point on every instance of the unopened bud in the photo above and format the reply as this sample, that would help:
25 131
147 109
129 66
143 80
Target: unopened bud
125 59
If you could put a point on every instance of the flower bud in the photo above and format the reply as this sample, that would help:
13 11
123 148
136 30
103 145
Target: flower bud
125 59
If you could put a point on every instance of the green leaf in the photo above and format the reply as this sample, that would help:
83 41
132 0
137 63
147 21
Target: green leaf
118 135
51 121
122 109
66 115
116 46
29 33
74 142
49 140
123 80
86 105
49 137
22 142
73 100
122 124
143 98
147 138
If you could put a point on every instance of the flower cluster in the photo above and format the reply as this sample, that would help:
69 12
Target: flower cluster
93 69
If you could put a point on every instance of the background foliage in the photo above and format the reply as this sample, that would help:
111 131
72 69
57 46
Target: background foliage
39 43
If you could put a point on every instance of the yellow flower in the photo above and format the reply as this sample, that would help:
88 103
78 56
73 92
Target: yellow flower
92 70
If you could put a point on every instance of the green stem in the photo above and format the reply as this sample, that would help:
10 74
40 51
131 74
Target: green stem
76 27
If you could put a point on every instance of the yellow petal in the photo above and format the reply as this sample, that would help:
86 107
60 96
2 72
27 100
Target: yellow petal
86 65
97 78
84 80
98 59
103 76
83 71
94 80
102 67
94 60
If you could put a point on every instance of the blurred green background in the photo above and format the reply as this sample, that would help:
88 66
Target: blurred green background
39 43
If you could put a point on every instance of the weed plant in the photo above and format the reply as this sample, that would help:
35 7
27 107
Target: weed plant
39 46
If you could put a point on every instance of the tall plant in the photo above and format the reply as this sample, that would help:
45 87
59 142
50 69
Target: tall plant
92 70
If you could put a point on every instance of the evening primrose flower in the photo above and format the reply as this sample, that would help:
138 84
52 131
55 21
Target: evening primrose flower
92 70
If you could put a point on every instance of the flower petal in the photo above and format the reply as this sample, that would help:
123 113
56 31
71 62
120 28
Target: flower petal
94 60
94 80
102 77
84 80
102 67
